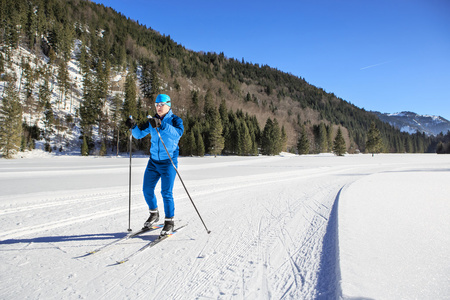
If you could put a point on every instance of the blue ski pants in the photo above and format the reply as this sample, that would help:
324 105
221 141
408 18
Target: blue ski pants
163 170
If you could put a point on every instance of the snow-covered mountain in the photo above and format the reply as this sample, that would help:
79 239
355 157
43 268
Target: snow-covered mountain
411 122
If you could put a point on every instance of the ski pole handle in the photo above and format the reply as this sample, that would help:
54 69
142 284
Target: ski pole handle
130 122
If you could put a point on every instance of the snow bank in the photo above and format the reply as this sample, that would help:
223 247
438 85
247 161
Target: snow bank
394 235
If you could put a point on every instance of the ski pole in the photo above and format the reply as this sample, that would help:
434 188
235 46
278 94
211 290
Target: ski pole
129 184
179 176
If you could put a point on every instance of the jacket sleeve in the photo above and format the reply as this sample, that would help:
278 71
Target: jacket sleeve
174 129
139 133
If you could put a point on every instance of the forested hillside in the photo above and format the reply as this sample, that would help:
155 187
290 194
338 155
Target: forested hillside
72 71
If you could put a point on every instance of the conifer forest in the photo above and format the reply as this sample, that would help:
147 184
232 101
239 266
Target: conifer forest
73 71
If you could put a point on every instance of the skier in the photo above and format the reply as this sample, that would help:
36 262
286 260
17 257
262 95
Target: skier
159 165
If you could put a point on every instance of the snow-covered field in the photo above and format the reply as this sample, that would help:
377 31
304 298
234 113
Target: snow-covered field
283 227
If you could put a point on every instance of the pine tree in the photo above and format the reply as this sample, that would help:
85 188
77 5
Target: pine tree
303 142
208 107
256 134
31 26
321 138
48 124
283 140
155 88
195 100
339 147
84 60
223 111
12 34
216 140
440 148
84 147
29 79
246 140
63 79
90 106
30 102
146 81
200 151
210 123
44 93
248 98
276 138
232 134
330 137
103 81
254 146
10 122
103 150
374 142
130 104
271 138
409 146
66 41
266 141
189 146
116 117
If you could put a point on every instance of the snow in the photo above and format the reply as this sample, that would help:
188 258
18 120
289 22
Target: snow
283 227
408 129
398 114
117 78
400 232
436 119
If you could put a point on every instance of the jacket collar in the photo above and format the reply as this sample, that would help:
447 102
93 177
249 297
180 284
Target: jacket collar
168 115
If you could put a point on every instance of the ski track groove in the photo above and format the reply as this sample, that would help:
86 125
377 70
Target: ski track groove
307 252
234 258
209 269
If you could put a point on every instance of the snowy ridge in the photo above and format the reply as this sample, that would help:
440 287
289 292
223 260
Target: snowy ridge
283 227
411 122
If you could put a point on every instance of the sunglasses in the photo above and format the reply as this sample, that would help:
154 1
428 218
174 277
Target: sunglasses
161 104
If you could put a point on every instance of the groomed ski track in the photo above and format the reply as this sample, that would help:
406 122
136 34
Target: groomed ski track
274 229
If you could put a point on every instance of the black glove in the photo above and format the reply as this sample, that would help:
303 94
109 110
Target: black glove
155 122
130 122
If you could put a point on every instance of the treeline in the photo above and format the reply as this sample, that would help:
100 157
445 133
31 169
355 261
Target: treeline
443 143
219 130
110 42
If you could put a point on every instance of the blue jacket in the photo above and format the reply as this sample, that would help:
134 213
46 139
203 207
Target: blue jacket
171 130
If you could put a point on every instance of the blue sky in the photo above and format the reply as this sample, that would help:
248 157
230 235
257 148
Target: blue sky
384 55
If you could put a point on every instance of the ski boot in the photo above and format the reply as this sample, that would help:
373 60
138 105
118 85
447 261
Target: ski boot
168 227
153 218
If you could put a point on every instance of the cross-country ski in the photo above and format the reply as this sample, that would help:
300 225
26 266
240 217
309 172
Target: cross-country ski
128 236
150 244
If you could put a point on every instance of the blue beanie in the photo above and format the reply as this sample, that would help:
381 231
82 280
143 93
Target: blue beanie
163 98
